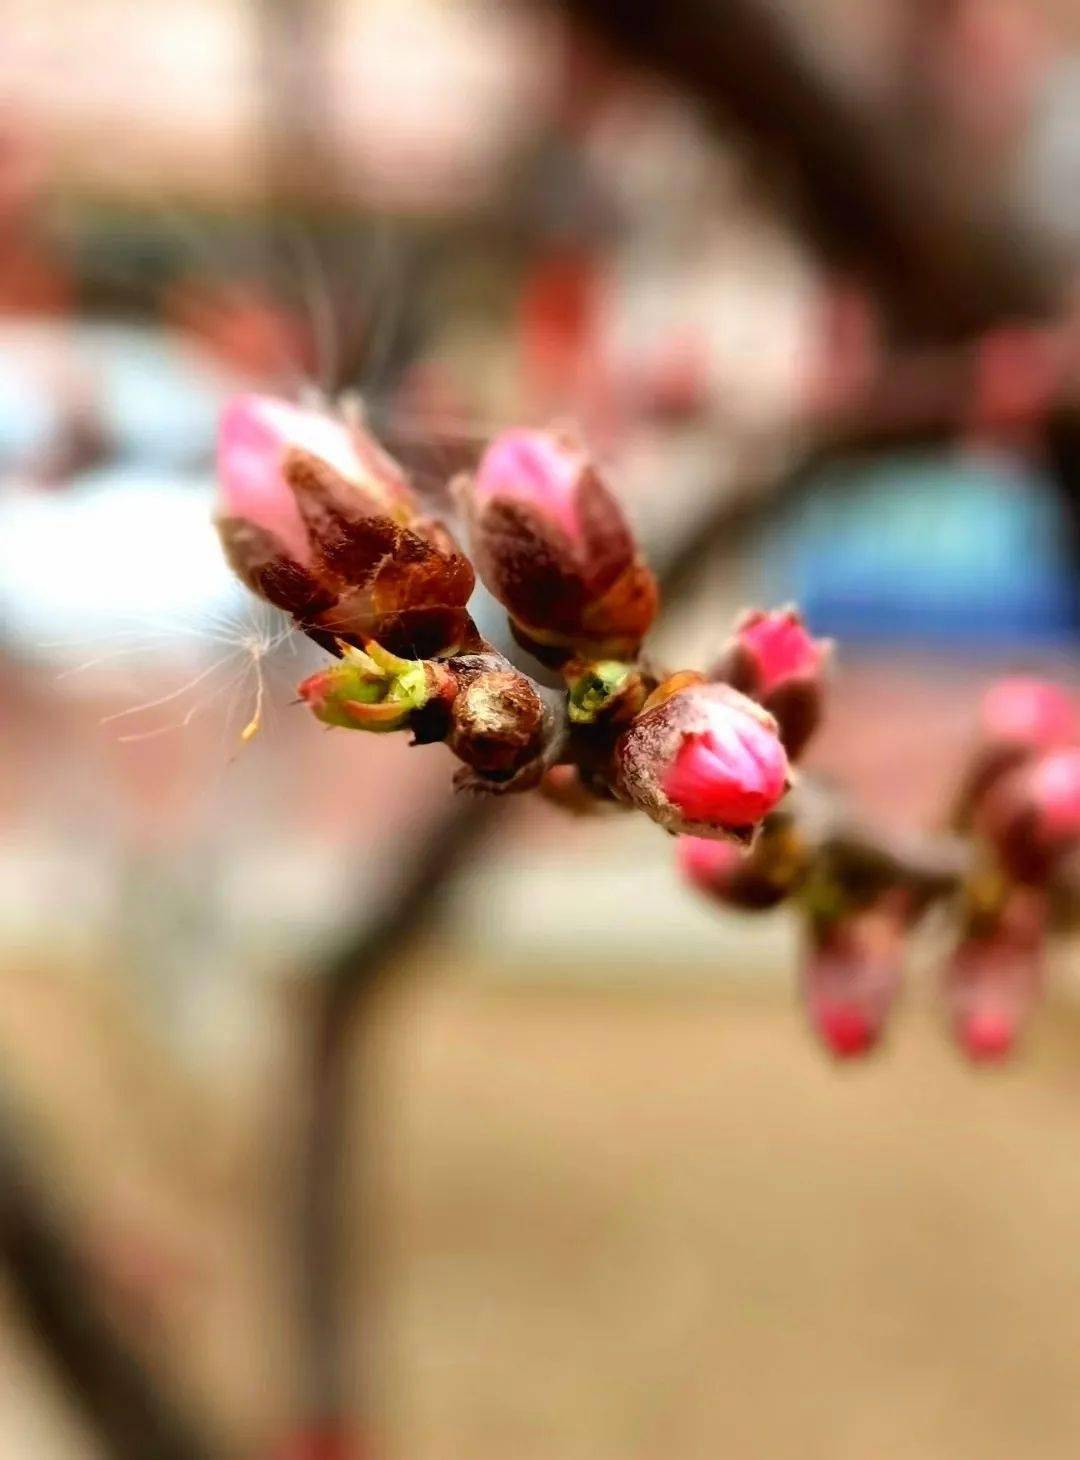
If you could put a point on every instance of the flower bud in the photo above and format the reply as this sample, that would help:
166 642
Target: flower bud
1031 713
994 978
318 520
704 759
1018 718
753 881
772 658
852 973
369 689
551 543
1032 815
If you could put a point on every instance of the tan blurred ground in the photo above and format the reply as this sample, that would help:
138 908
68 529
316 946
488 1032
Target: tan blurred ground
647 1226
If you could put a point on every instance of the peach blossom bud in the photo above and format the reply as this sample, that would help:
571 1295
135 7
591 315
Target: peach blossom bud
709 865
773 658
752 881
852 973
703 759
254 438
1032 815
1018 718
553 546
994 978
317 519
1027 712
1053 783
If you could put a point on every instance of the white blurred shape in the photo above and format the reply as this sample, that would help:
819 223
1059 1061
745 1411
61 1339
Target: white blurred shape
126 548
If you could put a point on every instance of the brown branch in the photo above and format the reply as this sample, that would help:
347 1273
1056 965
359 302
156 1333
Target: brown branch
132 1416
868 203
347 983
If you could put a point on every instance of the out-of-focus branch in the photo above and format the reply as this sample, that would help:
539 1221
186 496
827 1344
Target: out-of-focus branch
352 974
131 1416
867 202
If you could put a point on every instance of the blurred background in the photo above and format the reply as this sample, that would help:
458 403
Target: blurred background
339 1121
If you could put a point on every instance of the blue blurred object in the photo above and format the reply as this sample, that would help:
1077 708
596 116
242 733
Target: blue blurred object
949 550
158 403
154 401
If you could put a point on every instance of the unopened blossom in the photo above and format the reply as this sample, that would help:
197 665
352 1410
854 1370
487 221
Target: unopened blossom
316 518
703 759
1033 713
709 864
552 544
994 978
772 657
851 974
1032 814
1020 717
753 880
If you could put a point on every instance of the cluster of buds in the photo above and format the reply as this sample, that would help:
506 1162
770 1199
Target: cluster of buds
1003 872
316 518
1020 804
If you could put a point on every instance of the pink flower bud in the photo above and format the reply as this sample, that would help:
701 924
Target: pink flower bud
254 434
994 978
1018 718
709 864
987 1033
553 546
772 658
751 881
538 470
1032 814
704 759
254 438
1054 786
1028 712
851 976
733 772
779 648
318 520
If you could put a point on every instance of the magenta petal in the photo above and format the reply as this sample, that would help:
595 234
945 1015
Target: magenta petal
536 468
706 862
730 776
844 1028
987 1033
1055 789
253 437
780 646
1030 712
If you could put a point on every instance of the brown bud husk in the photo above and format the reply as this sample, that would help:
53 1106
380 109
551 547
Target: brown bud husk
589 594
378 570
495 721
